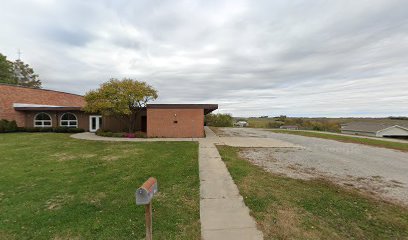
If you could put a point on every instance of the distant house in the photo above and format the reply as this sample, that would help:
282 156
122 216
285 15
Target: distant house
377 129
42 108
289 127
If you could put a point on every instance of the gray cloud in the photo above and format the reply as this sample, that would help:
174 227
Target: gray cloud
70 37
301 58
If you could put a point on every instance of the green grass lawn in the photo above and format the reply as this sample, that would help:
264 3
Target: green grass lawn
287 208
350 139
56 187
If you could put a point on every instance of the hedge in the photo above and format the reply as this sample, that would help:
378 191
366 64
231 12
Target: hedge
55 129
104 133
11 126
219 120
8 126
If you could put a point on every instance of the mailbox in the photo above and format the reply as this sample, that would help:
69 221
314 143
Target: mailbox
145 193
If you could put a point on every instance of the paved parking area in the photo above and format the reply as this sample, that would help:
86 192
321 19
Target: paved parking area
378 171
255 142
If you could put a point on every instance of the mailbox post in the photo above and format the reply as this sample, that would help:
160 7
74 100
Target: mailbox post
144 196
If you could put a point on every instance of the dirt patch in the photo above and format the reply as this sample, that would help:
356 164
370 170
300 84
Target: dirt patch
293 163
88 155
57 202
61 157
95 199
5 235
110 158
66 237
264 157
160 196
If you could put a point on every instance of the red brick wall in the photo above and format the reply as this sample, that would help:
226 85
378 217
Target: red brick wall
118 124
161 123
14 94
82 117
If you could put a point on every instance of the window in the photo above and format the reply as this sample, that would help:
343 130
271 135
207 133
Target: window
42 120
68 120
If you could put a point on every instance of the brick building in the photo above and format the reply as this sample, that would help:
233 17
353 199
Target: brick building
47 108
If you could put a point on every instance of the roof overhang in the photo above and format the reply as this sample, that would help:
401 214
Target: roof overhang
41 107
207 107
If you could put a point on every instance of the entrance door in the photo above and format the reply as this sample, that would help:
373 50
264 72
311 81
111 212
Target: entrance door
95 122
144 124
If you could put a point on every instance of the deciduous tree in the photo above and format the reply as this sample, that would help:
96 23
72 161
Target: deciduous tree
219 120
6 71
123 98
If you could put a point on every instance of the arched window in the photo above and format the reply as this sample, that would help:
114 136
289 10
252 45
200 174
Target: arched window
42 120
68 120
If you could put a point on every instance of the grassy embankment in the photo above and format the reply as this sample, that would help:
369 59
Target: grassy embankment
321 124
56 187
287 208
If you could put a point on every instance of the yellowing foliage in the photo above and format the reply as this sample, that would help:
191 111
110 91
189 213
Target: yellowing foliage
124 98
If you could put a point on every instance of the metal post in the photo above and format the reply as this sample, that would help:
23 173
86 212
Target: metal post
144 196
148 215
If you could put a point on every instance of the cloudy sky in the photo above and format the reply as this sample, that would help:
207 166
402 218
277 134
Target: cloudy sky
299 58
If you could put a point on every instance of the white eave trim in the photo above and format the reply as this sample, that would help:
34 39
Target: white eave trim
19 105
395 126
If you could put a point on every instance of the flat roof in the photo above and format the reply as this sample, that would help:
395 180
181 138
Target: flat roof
207 107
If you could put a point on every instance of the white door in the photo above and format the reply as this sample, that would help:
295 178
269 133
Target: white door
95 122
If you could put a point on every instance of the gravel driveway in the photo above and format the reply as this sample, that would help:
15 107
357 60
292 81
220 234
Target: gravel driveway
378 171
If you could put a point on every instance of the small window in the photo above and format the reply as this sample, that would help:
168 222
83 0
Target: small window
42 120
68 120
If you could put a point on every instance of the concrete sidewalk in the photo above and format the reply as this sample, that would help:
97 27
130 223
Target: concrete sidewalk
255 142
223 213
210 137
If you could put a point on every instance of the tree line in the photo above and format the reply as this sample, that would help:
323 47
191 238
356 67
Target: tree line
18 73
